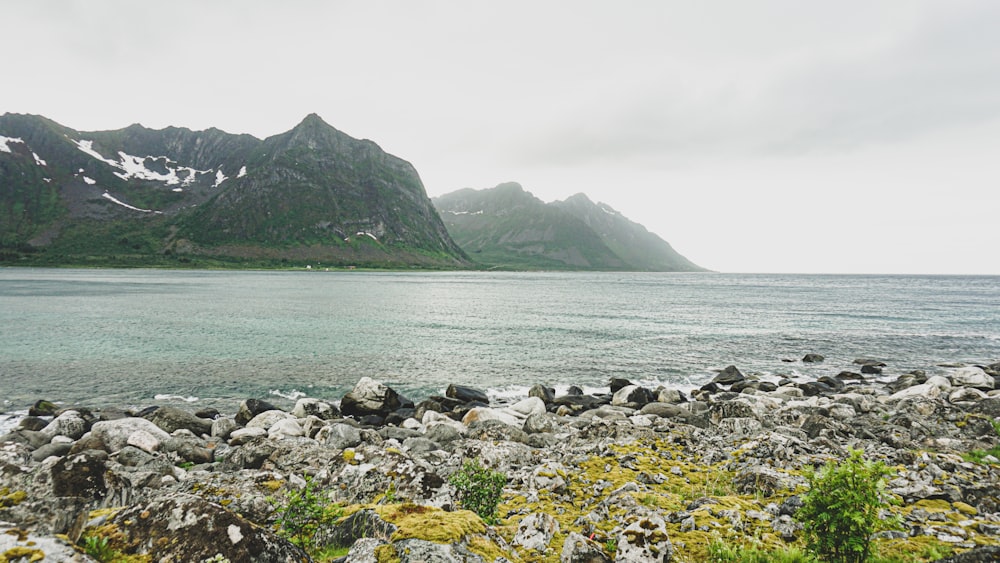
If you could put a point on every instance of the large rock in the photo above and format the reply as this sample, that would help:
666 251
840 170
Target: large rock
932 389
644 540
267 419
250 408
664 410
535 531
339 436
466 394
546 394
70 423
971 377
728 376
171 419
308 406
80 475
483 414
197 530
115 434
632 396
578 549
514 415
371 397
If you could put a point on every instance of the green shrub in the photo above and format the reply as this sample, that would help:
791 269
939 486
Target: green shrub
99 548
841 511
303 513
479 489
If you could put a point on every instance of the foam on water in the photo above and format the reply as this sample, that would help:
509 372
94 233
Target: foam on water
168 397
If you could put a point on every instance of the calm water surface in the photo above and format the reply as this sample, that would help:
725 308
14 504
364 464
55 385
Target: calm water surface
140 337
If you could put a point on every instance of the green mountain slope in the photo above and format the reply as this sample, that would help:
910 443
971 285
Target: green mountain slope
507 227
141 196
628 240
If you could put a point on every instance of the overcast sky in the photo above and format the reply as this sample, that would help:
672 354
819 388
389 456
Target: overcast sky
764 136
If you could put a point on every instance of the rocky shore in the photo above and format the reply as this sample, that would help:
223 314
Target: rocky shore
632 475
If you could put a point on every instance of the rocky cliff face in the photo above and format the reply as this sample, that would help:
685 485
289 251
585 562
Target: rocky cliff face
510 228
136 194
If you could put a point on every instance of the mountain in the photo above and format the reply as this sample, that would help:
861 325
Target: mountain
508 227
143 196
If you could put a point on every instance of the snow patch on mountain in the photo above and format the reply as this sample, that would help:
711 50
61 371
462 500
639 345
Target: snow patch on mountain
131 166
4 143
219 178
38 159
88 147
89 181
112 199
243 172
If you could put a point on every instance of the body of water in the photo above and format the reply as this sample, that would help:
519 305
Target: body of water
142 337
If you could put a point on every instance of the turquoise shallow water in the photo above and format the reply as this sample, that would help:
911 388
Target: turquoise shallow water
140 337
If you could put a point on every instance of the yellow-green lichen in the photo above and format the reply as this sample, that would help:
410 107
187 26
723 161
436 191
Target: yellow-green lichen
10 498
21 553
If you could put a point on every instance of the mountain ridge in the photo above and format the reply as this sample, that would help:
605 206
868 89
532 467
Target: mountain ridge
144 195
508 227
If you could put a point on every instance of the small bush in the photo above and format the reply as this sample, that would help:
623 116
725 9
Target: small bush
841 511
303 513
479 489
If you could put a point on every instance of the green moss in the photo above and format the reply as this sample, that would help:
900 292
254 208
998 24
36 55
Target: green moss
936 505
272 485
386 554
429 523
964 508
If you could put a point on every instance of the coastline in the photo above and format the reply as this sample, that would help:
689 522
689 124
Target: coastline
638 474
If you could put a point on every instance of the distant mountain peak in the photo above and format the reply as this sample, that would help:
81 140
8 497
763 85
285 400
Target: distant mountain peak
509 227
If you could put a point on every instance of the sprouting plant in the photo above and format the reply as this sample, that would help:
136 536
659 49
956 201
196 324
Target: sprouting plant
99 548
390 494
303 513
841 510
611 546
479 489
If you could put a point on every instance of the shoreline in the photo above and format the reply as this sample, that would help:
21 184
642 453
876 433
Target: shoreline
633 473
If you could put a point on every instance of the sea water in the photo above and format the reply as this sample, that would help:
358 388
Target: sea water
133 338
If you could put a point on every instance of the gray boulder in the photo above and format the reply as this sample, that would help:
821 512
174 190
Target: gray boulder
632 396
115 434
644 540
308 406
199 530
578 549
250 408
664 410
339 436
466 394
371 397
972 377
70 423
535 531
728 376
80 475
171 419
